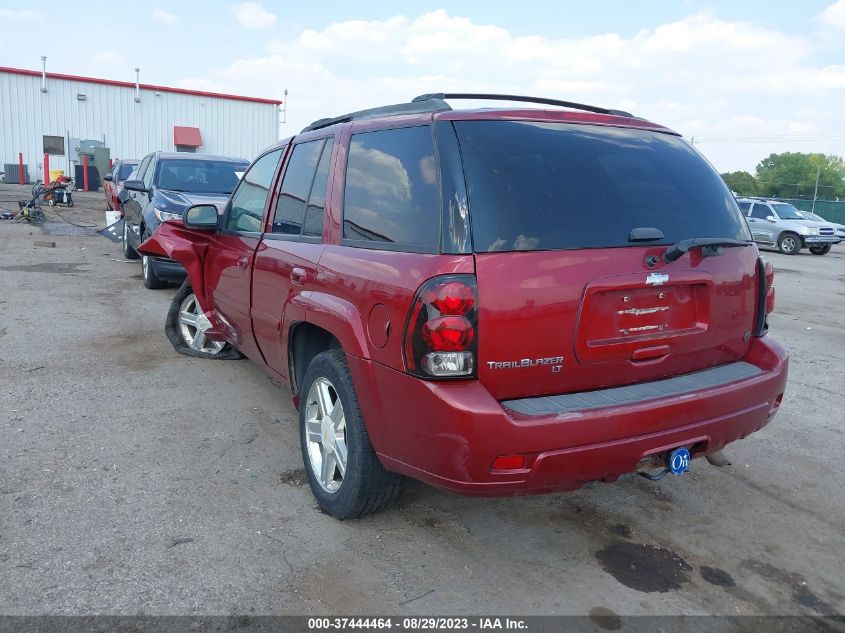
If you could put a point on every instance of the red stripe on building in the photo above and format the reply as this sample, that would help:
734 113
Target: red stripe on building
130 84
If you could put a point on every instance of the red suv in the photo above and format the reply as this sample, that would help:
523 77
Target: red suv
496 302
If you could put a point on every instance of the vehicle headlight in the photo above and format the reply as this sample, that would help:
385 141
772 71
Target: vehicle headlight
163 215
812 231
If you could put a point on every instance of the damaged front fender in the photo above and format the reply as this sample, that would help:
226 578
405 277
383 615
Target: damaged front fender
186 246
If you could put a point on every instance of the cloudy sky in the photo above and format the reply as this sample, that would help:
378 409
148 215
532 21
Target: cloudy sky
743 79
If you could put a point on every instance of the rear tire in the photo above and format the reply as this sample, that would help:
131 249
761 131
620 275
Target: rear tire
178 330
332 433
789 243
128 251
820 250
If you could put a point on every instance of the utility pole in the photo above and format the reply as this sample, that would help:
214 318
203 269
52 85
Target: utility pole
284 111
816 192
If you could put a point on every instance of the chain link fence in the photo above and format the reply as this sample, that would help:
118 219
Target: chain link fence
830 210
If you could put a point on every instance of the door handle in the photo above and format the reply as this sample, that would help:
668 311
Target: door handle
297 276
243 262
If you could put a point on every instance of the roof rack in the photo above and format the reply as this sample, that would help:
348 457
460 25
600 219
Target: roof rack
414 107
440 96
435 102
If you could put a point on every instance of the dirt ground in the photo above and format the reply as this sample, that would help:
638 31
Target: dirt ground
135 480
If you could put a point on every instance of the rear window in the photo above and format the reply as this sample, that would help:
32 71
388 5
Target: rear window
199 176
543 186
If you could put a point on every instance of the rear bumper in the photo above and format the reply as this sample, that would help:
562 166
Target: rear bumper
448 433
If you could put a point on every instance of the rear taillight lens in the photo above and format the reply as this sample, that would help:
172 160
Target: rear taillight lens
770 287
765 295
441 333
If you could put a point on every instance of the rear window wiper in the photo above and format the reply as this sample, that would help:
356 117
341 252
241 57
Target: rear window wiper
710 246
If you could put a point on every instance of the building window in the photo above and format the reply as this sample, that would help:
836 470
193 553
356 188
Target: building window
186 148
54 145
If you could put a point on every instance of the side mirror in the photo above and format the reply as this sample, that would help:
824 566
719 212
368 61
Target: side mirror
771 218
108 178
201 216
135 185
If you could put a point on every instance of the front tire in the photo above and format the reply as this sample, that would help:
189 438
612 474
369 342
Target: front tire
148 273
346 477
128 251
185 326
789 243
820 250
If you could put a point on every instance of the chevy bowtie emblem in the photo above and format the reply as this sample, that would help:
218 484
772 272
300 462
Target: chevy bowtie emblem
656 279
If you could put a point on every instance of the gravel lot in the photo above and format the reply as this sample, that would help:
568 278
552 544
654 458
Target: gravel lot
135 480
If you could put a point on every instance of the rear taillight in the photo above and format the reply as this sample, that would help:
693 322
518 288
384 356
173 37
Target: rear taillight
441 333
765 295
770 287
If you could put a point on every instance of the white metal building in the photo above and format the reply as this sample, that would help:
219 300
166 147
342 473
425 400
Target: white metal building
54 113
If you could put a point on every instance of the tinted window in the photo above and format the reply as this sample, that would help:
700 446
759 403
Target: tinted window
313 224
535 186
196 175
744 207
246 208
123 170
296 186
391 192
760 211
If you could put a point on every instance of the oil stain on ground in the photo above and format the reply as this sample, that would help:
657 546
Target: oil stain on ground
606 619
716 576
795 582
646 568
621 530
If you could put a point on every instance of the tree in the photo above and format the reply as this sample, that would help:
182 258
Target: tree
793 175
741 182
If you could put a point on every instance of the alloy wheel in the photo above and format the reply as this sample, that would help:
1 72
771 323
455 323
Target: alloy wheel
192 326
789 244
325 428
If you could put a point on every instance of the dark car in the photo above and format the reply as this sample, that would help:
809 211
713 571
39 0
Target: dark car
113 181
496 302
165 185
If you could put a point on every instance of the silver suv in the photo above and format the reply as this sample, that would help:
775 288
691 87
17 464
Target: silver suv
779 224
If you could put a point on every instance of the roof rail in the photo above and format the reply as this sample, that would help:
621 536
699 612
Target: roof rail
415 107
440 96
